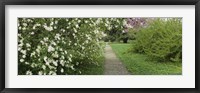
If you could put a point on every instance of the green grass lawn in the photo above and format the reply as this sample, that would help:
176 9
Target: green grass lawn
139 64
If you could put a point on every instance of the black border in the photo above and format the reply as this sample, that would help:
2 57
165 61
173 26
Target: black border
3 3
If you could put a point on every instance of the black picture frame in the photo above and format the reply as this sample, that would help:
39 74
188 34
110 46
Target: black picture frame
3 3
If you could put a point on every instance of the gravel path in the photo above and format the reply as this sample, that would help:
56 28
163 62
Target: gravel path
113 66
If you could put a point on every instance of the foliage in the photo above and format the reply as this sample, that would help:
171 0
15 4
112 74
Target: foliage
162 39
113 27
132 33
50 46
134 25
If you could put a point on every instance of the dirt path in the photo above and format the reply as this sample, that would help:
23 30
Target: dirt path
113 66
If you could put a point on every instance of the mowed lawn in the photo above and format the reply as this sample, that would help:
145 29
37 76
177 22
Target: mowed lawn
140 64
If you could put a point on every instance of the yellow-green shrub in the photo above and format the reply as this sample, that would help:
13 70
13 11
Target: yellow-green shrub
162 39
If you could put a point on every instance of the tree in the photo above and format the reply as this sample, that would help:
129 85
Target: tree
113 27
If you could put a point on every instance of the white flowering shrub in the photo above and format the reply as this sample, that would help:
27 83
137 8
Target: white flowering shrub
58 46
113 27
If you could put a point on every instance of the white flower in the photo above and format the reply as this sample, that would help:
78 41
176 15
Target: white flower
56 22
79 21
62 70
62 62
61 49
28 72
37 24
72 67
24 56
21 60
25 24
75 30
86 21
28 45
43 67
89 38
40 73
45 58
46 39
52 73
77 26
57 36
55 63
42 42
47 63
86 41
70 59
51 23
38 50
20 28
97 31
77 63
55 27
28 20
26 63
50 48
52 67
20 45
53 43
19 48
75 44
55 54
33 54
33 65
48 28
19 35
23 28
32 33
63 30
73 34
109 28
83 47
23 52
70 55
106 25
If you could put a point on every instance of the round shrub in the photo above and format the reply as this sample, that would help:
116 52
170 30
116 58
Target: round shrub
162 40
